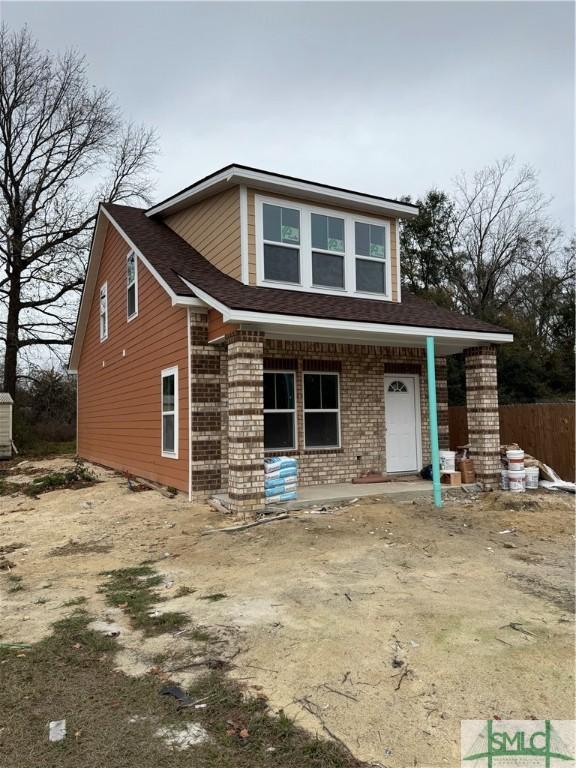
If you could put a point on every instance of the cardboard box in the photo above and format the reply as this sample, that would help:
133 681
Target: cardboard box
451 478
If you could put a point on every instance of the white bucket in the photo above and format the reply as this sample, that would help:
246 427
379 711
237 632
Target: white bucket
447 461
504 482
515 458
532 477
517 480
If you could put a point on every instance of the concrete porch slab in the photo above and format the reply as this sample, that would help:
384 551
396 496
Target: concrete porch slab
332 494
335 493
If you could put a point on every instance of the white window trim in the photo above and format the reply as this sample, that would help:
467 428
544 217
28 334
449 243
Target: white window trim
293 411
103 288
165 373
322 410
129 285
305 283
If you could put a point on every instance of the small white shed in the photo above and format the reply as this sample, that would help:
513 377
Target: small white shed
6 404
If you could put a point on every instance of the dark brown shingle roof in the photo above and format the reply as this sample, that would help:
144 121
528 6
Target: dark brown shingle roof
171 256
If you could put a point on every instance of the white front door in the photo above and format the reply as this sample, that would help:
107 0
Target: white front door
402 410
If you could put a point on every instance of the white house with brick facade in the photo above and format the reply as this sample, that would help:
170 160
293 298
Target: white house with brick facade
256 314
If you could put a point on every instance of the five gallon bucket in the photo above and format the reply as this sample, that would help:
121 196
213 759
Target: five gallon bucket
517 480
515 459
447 461
532 477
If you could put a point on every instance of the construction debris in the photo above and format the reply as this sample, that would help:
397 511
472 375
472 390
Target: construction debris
245 526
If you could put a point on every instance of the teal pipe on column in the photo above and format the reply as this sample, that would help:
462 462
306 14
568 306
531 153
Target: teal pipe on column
433 419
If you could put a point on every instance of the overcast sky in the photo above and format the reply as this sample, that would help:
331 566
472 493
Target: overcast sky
390 98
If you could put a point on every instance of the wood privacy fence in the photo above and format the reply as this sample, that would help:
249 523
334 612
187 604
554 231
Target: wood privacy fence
544 430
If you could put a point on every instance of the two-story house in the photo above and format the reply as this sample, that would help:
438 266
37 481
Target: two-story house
256 314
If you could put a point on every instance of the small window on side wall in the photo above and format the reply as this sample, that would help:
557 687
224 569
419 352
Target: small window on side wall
104 312
131 286
169 395
321 410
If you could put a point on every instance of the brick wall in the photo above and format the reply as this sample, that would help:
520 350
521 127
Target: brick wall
362 370
482 407
207 381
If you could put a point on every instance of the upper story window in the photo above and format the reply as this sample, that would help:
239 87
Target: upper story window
103 312
281 236
303 247
131 286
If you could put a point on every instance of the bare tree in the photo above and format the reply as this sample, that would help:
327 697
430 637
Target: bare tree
64 147
499 216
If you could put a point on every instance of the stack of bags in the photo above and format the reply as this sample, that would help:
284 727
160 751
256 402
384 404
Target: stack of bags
280 479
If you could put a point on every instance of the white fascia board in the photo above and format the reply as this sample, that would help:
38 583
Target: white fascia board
278 183
298 321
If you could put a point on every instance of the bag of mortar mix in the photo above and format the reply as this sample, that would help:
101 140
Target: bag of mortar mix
279 479
280 489
280 473
280 463
292 496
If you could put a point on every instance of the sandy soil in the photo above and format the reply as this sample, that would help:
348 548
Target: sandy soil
383 624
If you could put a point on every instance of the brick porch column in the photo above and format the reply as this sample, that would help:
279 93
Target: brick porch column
245 420
482 408
442 402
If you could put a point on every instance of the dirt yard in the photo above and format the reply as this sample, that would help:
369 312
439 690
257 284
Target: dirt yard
380 625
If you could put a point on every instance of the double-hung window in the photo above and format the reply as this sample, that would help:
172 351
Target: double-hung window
301 246
370 251
131 286
169 401
281 230
321 410
104 312
279 411
328 251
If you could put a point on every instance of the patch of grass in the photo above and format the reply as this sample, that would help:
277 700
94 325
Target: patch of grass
77 477
72 674
75 601
15 583
215 597
183 591
79 548
132 589
6 549
45 449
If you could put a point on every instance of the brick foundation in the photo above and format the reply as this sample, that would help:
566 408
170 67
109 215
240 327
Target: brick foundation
482 407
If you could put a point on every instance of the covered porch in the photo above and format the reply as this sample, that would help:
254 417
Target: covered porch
364 376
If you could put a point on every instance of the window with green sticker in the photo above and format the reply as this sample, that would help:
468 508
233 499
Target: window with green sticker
281 229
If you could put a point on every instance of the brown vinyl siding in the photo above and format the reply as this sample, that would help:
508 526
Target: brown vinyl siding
217 328
252 236
213 228
119 380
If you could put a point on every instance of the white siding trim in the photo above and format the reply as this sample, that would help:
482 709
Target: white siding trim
398 262
244 270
